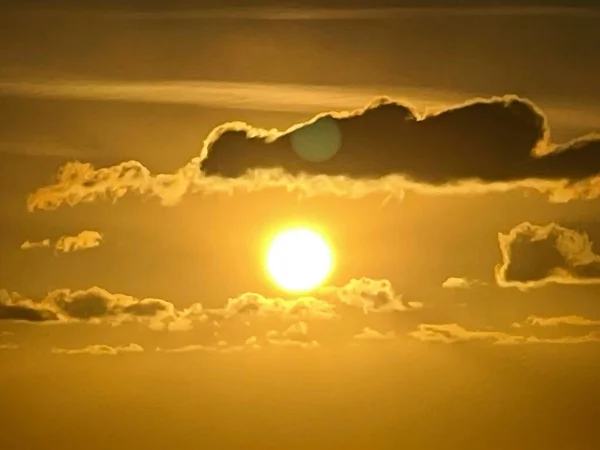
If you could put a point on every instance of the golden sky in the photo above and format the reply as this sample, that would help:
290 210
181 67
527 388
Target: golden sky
149 154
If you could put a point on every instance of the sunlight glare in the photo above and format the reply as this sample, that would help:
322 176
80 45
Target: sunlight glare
299 259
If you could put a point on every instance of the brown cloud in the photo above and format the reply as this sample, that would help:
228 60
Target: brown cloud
451 333
96 305
85 240
496 140
99 349
481 146
535 255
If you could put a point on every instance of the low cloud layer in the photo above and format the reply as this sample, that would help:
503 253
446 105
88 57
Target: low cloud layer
99 349
453 333
97 306
485 145
295 336
535 255
571 320
85 240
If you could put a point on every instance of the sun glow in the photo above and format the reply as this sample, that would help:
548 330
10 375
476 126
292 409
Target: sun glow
299 259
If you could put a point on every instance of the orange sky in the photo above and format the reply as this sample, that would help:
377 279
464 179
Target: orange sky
134 305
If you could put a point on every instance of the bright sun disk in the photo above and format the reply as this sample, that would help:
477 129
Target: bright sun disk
299 259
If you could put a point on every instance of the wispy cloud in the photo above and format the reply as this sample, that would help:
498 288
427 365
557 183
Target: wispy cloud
99 349
299 98
82 241
254 96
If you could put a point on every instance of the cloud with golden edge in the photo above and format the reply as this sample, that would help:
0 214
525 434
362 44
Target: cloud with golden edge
536 255
98 306
99 349
460 283
483 145
87 239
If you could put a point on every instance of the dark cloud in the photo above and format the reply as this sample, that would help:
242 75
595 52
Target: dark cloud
27 313
96 305
492 140
14 307
535 255
484 145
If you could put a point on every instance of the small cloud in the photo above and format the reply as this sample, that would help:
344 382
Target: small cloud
28 245
85 240
536 255
369 295
99 349
8 346
452 333
459 283
369 334
561 320
294 336
222 346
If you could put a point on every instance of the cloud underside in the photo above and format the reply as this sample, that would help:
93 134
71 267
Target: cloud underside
98 306
536 255
485 145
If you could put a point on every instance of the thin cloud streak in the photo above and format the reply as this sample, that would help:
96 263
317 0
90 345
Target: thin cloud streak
292 98
234 95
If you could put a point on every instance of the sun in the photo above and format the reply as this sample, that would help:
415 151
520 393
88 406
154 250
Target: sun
299 260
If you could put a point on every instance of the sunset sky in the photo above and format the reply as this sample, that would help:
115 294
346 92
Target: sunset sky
150 151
